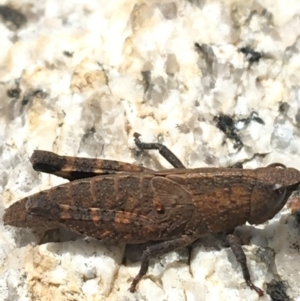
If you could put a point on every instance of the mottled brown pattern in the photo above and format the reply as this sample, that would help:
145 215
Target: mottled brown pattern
109 225
222 197
121 202
73 168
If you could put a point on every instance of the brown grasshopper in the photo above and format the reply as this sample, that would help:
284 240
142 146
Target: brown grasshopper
122 202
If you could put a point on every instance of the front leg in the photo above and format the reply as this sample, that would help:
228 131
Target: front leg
242 260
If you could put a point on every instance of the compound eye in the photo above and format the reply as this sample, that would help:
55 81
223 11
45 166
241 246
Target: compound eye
280 199
265 204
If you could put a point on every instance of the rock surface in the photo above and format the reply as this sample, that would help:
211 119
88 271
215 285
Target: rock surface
215 81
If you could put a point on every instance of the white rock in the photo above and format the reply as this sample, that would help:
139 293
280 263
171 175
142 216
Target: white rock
78 67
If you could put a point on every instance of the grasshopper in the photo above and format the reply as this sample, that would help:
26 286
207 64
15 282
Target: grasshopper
121 202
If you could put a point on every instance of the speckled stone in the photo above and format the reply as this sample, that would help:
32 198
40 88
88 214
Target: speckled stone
80 78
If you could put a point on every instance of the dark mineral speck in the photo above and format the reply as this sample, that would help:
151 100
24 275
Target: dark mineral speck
13 16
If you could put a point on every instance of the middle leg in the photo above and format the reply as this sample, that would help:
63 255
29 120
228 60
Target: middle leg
158 250
163 150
